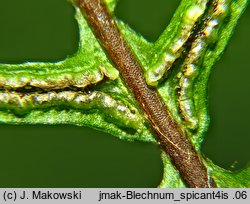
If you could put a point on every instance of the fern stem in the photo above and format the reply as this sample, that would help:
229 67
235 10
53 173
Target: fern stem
172 139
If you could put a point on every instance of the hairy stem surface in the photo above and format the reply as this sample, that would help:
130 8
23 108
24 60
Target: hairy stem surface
172 139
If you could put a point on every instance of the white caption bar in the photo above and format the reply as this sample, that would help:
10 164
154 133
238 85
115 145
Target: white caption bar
122 195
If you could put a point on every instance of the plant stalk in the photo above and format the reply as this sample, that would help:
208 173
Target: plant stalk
172 139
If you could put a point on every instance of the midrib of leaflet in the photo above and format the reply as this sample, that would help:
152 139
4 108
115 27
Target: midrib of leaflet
23 90
188 62
207 35
48 76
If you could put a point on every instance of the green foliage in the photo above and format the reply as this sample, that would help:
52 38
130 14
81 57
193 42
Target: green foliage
86 90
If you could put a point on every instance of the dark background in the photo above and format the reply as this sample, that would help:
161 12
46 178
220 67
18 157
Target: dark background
68 156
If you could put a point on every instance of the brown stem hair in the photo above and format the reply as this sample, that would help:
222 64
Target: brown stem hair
172 139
